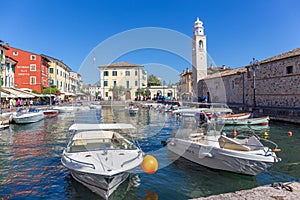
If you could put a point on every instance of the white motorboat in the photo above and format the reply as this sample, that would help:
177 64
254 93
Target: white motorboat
133 109
23 116
95 106
188 112
99 157
211 149
65 108
203 107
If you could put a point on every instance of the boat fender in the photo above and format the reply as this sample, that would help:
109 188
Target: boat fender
172 143
209 155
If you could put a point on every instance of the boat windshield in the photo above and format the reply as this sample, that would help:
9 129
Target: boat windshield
97 144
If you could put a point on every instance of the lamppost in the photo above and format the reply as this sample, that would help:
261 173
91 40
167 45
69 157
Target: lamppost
50 83
254 65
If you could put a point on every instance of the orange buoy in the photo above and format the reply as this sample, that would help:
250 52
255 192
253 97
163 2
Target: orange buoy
234 133
276 150
290 133
150 164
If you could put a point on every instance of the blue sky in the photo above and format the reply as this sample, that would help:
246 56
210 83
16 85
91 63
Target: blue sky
237 30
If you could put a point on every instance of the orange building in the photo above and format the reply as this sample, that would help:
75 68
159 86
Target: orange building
31 70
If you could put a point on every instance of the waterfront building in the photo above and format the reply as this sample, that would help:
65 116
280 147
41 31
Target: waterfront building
7 68
31 70
59 74
75 82
199 57
185 86
166 91
273 82
8 72
95 91
127 75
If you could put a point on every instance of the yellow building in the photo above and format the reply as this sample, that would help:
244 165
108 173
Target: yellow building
122 74
185 86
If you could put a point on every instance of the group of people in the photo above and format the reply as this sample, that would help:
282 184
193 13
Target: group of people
20 102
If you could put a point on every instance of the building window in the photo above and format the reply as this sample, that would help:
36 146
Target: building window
136 72
115 83
33 67
32 80
106 94
105 83
105 73
289 69
127 84
57 72
15 53
135 83
51 70
32 57
201 44
127 73
114 73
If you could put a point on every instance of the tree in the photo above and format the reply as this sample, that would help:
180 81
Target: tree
140 91
147 92
118 91
53 90
153 81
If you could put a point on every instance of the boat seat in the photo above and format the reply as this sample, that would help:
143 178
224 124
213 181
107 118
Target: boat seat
231 144
79 142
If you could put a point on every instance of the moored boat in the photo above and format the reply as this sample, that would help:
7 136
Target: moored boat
133 109
23 116
99 157
245 156
248 121
50 113
95 106
235 116
65 108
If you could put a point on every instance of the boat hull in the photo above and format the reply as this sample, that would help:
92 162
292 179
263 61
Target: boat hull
50 113
250 121
28 118
100 184
65 109
222 159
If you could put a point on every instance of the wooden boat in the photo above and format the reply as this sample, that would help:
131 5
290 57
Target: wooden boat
249 121
235 116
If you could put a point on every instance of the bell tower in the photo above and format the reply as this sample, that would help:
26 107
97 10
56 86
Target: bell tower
199 55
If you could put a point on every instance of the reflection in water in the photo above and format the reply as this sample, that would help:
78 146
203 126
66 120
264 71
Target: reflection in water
30 166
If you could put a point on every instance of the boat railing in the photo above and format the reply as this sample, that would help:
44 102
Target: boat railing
128 161
77 161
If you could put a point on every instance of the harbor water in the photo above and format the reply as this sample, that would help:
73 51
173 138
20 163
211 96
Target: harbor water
30 154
